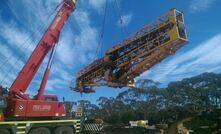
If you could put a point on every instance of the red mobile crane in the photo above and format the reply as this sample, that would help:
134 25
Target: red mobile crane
20 105
120 65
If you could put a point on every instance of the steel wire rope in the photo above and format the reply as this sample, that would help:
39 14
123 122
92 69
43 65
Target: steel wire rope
41 28
73 82
122 27
101 31
118 10
100 42
30 38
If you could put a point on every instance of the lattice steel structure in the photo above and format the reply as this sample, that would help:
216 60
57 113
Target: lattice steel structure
138 53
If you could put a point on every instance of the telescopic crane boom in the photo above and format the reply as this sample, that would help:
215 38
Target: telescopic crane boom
138 53
19 103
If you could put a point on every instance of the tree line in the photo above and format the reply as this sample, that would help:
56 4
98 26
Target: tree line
190 97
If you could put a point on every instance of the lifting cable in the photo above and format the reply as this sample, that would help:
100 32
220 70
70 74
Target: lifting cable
12 68
29 38
100 42
120 17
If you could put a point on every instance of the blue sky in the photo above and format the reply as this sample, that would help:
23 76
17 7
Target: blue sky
24 21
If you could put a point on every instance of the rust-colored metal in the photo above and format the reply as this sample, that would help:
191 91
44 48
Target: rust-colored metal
138 53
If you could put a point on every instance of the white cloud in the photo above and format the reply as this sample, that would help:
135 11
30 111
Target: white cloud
200 5
55 83
16 37
203 58
65 50
77 47
9 69
97 4
6 78
125 20
58 70
88 35
16 46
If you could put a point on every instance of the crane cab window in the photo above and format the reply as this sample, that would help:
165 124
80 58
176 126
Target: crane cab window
51 99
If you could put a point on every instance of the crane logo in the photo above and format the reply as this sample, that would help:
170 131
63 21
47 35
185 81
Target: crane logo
21 107
41 108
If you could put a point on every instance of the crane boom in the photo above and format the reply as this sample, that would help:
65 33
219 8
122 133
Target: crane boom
47 42
138 53
20 104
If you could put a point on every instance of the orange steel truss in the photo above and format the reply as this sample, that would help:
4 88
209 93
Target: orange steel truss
138 53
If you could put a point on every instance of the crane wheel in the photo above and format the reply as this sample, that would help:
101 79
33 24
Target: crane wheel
40 130
4 131
64 130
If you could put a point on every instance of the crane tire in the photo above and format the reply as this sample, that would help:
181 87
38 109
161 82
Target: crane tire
4 131
40 130
64 130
